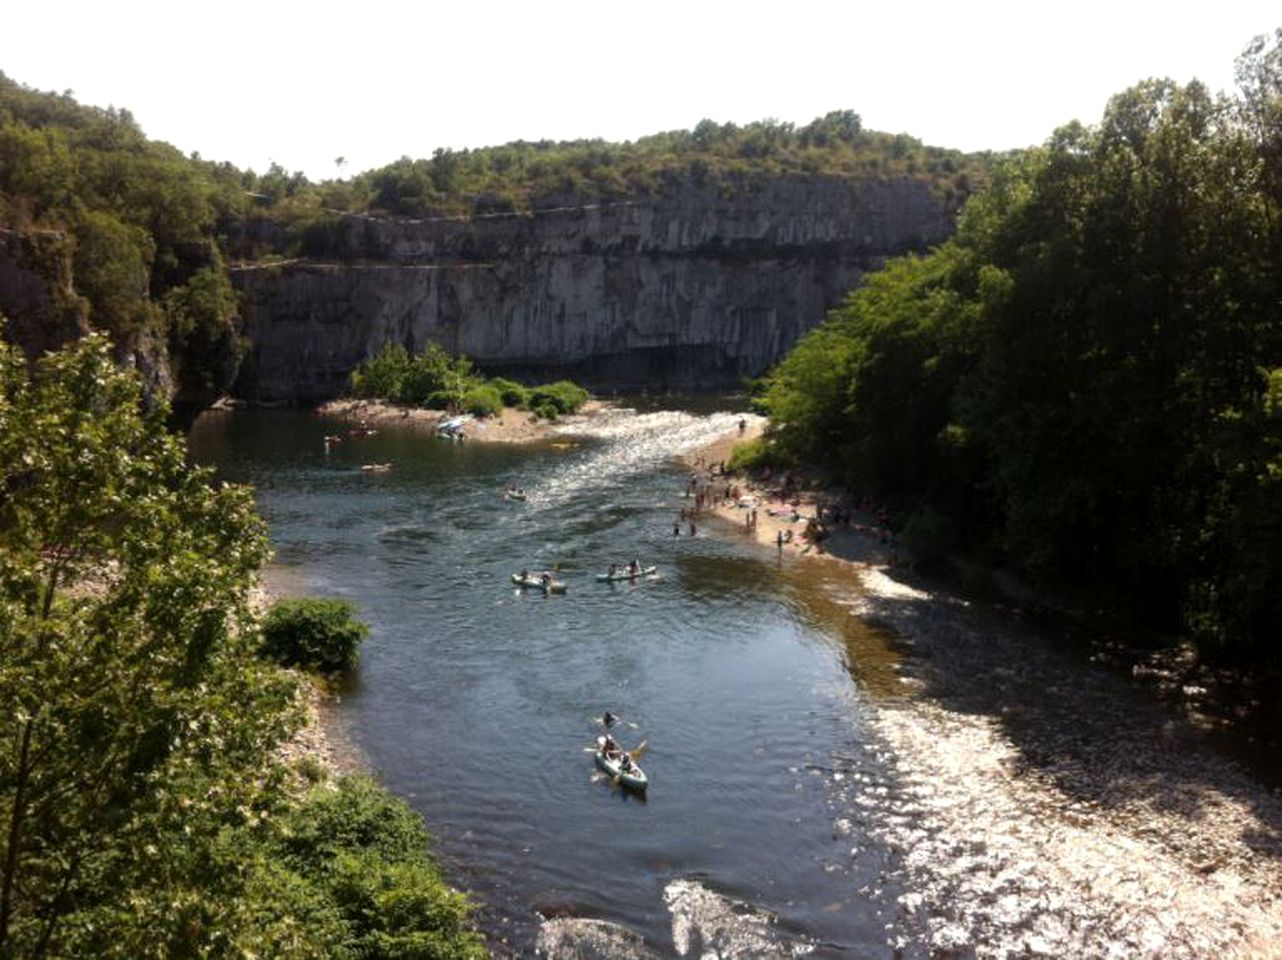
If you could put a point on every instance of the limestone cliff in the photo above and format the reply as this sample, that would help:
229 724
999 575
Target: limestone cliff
699 287
37 300
43 311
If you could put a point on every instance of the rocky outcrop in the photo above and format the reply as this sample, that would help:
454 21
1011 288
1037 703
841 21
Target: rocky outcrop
43 311
699 287
40 307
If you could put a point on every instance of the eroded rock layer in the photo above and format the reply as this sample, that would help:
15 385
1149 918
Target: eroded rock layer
699 287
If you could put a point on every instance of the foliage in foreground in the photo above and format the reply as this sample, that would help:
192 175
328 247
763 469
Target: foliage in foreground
439 381
352 862
141 811
314 633
1084 381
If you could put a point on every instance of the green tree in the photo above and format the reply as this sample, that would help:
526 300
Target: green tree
135 725
1080 379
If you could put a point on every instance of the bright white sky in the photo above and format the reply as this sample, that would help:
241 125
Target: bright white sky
303 84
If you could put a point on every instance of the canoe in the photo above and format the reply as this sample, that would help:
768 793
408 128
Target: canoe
635 778
453 423
536 583
624 575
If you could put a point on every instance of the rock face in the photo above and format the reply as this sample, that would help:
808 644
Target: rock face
43 312
698 287
41 309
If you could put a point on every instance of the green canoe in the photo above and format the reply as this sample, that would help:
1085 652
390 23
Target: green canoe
634 778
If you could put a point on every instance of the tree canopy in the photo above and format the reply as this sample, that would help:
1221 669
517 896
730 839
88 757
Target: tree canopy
1080 381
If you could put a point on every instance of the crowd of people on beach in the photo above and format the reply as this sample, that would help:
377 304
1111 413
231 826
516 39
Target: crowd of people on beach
784 496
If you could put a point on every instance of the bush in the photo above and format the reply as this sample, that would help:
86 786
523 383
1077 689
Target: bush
483 401
383 375
442 399
564 395
546 409
316 634
512 393
754 454
353 864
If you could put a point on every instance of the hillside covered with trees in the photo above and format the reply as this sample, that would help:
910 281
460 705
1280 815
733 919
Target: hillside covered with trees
135 238
522 175
1086 382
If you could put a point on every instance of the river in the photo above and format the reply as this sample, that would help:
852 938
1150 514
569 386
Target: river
797 805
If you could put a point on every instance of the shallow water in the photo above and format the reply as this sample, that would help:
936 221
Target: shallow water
477 702
976 791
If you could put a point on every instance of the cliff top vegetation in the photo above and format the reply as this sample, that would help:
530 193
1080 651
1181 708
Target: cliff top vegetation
521 176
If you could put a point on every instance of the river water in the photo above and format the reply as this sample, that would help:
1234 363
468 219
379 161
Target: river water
983 792
477 702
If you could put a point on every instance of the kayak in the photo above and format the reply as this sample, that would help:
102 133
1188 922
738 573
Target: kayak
634 778
515 494
536 582
624 575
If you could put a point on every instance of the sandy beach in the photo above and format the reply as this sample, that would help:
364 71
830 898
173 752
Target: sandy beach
511 426
1058 806
776 513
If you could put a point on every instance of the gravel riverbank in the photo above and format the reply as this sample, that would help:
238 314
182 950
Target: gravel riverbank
1041 804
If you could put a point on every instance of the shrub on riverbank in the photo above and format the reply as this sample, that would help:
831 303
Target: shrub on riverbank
556 399
754 454
355 863
482 401
316 634
438 381
512 393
